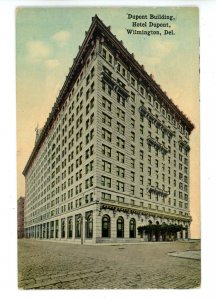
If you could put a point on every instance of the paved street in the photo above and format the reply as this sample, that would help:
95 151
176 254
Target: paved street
61 265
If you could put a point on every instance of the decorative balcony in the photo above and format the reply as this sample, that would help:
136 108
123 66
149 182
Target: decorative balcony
107 77
184 144
157 191
145 113
157 145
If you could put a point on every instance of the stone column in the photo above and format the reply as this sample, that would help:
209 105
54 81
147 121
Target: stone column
113 220
73 228
183 234
59 229
66 228
82 228
126 226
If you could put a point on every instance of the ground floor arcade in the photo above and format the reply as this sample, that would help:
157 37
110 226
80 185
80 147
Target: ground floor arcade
104 224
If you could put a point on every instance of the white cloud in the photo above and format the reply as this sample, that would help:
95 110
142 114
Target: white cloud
37 51
163 47
157 51
51 63
61 37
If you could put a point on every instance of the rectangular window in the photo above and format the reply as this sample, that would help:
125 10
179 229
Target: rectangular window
120 172
132 163
120 100
106 196
132 189
120 186
120 143
106 135
120 157
132 136
132 96
120 128
141 154
120 114
132 81
120 199
106 150
106 181
106 166
106 119
110 59
104 53
106 104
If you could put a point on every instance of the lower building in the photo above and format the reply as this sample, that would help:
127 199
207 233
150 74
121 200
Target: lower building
20 217
107 223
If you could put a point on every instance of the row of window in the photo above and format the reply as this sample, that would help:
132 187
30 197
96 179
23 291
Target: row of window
52 230
134 83
120 199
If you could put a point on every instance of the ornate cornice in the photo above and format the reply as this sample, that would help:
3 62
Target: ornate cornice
123 207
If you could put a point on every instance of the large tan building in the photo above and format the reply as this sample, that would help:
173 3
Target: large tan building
113 154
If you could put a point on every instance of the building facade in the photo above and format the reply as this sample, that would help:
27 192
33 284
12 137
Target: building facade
20 217
113 154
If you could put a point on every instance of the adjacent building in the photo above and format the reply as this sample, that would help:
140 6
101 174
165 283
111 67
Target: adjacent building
113 154
20 217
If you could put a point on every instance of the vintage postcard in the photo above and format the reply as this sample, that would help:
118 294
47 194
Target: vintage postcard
108 148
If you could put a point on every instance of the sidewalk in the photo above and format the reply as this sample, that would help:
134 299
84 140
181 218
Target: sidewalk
187 254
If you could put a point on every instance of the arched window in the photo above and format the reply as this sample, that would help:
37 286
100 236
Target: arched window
132 227
89 227
47 230
70 228
105 226
63 228
56 228
52 230
78 226
120 227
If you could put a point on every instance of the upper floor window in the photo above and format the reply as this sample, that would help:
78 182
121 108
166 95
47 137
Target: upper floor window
106 119
104 53
106 150
106 135
106 104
